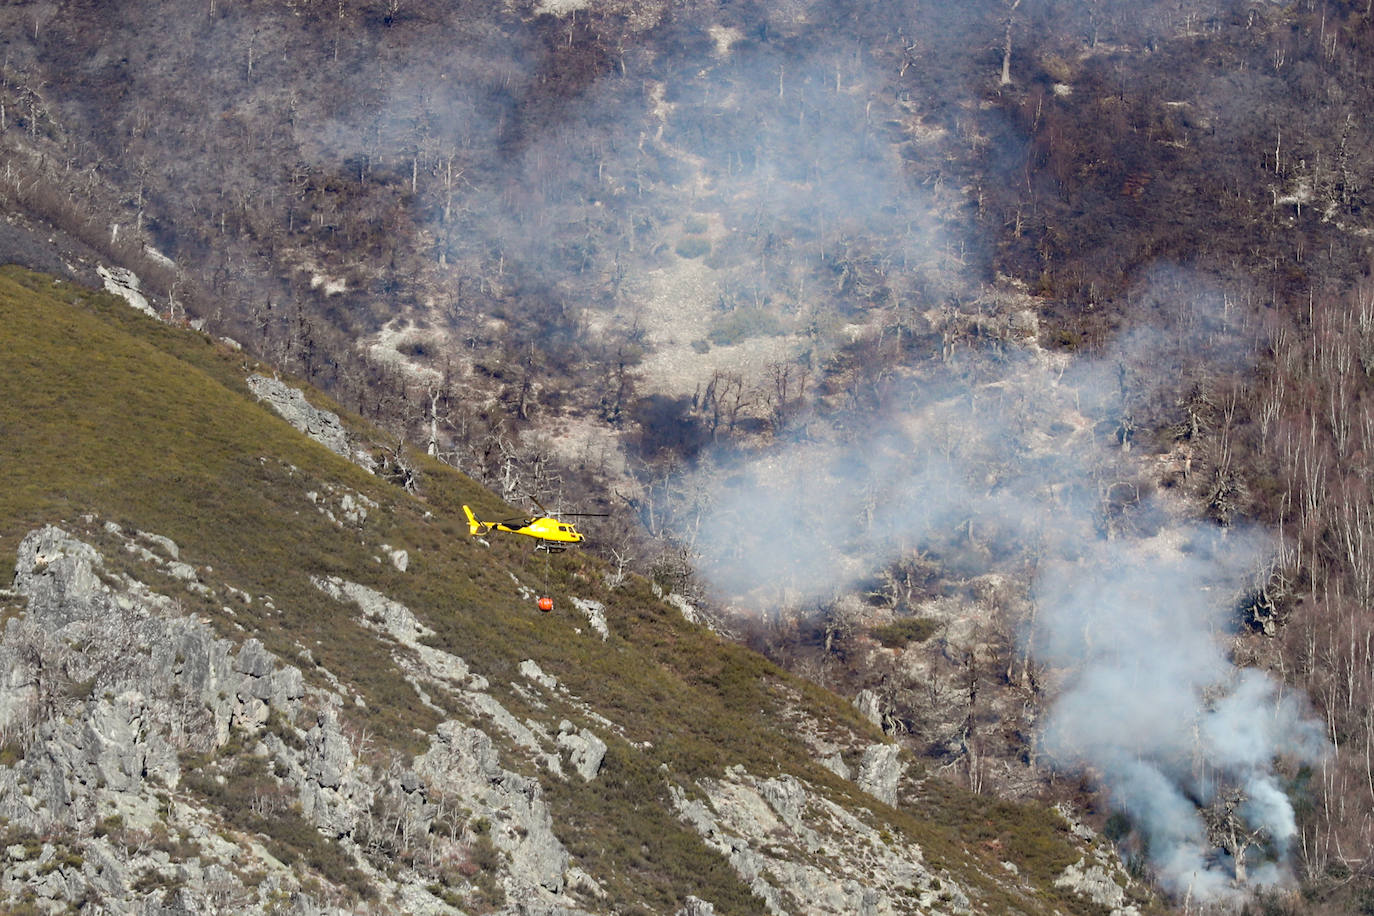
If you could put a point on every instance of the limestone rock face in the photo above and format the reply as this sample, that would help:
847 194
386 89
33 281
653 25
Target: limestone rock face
849 866
1094 882
336 790
105 683
137 652
464 762
399 622
595 612
321 425
530 670
393 617
162 683
584 749
143 729
57 574
880 772
869 707
125 284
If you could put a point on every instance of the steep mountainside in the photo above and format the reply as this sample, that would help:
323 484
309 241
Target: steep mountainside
245 673
1005 364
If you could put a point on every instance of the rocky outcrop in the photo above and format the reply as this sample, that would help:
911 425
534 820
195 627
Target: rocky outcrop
584 749
125 284
131 639
108 685
1094 882
530 670
321 425
335 789
463 761
163 765
398 622
880 772
846 864
869 706
1098 877
104 743
595 612
342 506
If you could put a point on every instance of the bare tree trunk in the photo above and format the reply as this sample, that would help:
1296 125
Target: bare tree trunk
1006 57
1006 48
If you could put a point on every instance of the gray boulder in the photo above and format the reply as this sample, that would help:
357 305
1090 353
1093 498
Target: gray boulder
585 751
1095 883
869 707
880 772
57 574
336 790
463 762
321 425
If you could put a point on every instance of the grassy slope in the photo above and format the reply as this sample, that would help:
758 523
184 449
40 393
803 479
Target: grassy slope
104 412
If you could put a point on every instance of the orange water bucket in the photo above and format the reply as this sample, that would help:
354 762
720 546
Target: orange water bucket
546 604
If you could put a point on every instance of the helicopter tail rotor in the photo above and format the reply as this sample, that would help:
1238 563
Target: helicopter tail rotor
474 526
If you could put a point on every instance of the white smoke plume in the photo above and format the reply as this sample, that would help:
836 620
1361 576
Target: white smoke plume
1016 455
1153 705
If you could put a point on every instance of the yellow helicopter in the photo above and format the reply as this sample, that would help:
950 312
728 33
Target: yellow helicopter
550 533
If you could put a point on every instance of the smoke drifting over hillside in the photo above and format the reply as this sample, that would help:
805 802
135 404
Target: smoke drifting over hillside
1013 458
999 459
837 162
1024 445
1153 707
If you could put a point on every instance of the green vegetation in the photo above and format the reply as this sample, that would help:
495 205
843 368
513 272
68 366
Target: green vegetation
900 633
693 246
11 835
631 824
11 752
742 324
153 428
1037 840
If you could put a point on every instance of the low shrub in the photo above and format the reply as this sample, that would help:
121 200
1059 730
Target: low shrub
743 324
900 633
693 246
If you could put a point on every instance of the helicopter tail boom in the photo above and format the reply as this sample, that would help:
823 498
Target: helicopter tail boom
474 526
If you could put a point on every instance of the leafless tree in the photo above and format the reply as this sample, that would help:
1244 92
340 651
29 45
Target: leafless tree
438 414
721 401
1227 829
787 389
396 465
1006 47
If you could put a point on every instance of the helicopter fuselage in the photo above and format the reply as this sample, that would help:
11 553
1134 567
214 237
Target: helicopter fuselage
552 534
546 529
